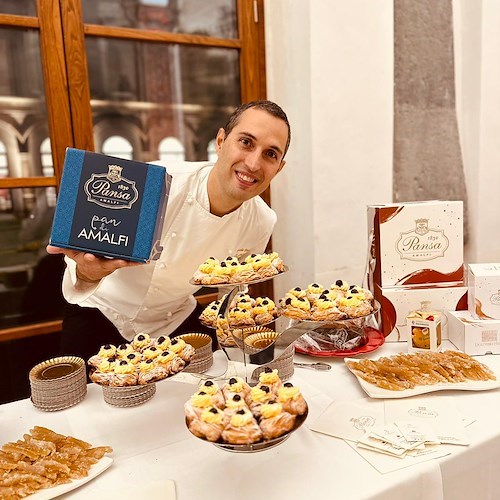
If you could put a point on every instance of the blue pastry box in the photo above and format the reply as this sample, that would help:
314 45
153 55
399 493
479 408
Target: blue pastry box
110 207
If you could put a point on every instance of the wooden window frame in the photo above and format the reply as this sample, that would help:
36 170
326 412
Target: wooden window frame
67 92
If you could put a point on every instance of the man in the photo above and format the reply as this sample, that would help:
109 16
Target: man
213 210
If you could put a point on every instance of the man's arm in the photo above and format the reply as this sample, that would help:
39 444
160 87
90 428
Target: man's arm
91 269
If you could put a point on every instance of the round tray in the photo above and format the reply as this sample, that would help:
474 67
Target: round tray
260 445
375 340
242 283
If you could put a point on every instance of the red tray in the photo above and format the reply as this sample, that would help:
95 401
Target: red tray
375 340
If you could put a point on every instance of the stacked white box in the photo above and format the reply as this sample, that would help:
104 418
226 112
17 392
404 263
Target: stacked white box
474 336
484 290
416 253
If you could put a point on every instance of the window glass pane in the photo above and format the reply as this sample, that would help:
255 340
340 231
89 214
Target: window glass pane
23 115
18 7
145 92
30 279
201 17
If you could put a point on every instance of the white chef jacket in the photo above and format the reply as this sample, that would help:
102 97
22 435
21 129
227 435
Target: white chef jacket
156 297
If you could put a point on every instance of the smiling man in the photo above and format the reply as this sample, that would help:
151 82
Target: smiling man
213 210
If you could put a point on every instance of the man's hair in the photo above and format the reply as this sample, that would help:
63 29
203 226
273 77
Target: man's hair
269 106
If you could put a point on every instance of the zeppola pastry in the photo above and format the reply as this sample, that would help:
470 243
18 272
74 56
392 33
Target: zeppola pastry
244 311
247 415
274 421
316 303
232 270
143 361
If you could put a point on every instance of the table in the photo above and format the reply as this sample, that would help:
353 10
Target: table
151 444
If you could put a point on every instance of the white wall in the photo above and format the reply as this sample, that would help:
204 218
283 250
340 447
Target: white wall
477 53
330 66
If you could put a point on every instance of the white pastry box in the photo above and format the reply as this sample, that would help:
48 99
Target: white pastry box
398 302
484 290
474 336
415 243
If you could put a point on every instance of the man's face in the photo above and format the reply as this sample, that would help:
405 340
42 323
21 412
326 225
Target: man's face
248 159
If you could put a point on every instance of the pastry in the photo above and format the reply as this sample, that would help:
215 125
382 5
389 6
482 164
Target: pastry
313 291
245 303
151 352
297 308
324 310
363 293
104 372
235 385
123 349
297 292
105 352
264 311
258 396
291 399
133 357
276 261
171 362
196 404
209 314
270 378
182 349
274 421
204 270
214 390
232 405
354 306
261 315
141 341
240 317
162 342
340 285
244 273
149 371
124 374
264 268
209 425
242 429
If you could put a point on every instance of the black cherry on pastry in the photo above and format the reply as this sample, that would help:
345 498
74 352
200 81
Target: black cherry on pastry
232 381
208 383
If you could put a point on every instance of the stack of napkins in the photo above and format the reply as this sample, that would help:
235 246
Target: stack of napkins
395 433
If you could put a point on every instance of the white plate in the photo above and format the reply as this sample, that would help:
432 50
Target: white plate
377 392
55 491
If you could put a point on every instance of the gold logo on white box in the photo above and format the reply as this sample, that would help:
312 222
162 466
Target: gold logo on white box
422 243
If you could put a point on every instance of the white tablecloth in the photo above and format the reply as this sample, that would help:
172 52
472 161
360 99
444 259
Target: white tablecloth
151 444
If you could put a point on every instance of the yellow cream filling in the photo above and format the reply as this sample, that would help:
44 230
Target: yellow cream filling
239 420
210 417
270 410
287 393
269 378
124 368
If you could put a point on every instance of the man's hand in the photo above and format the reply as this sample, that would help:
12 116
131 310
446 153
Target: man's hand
89 267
